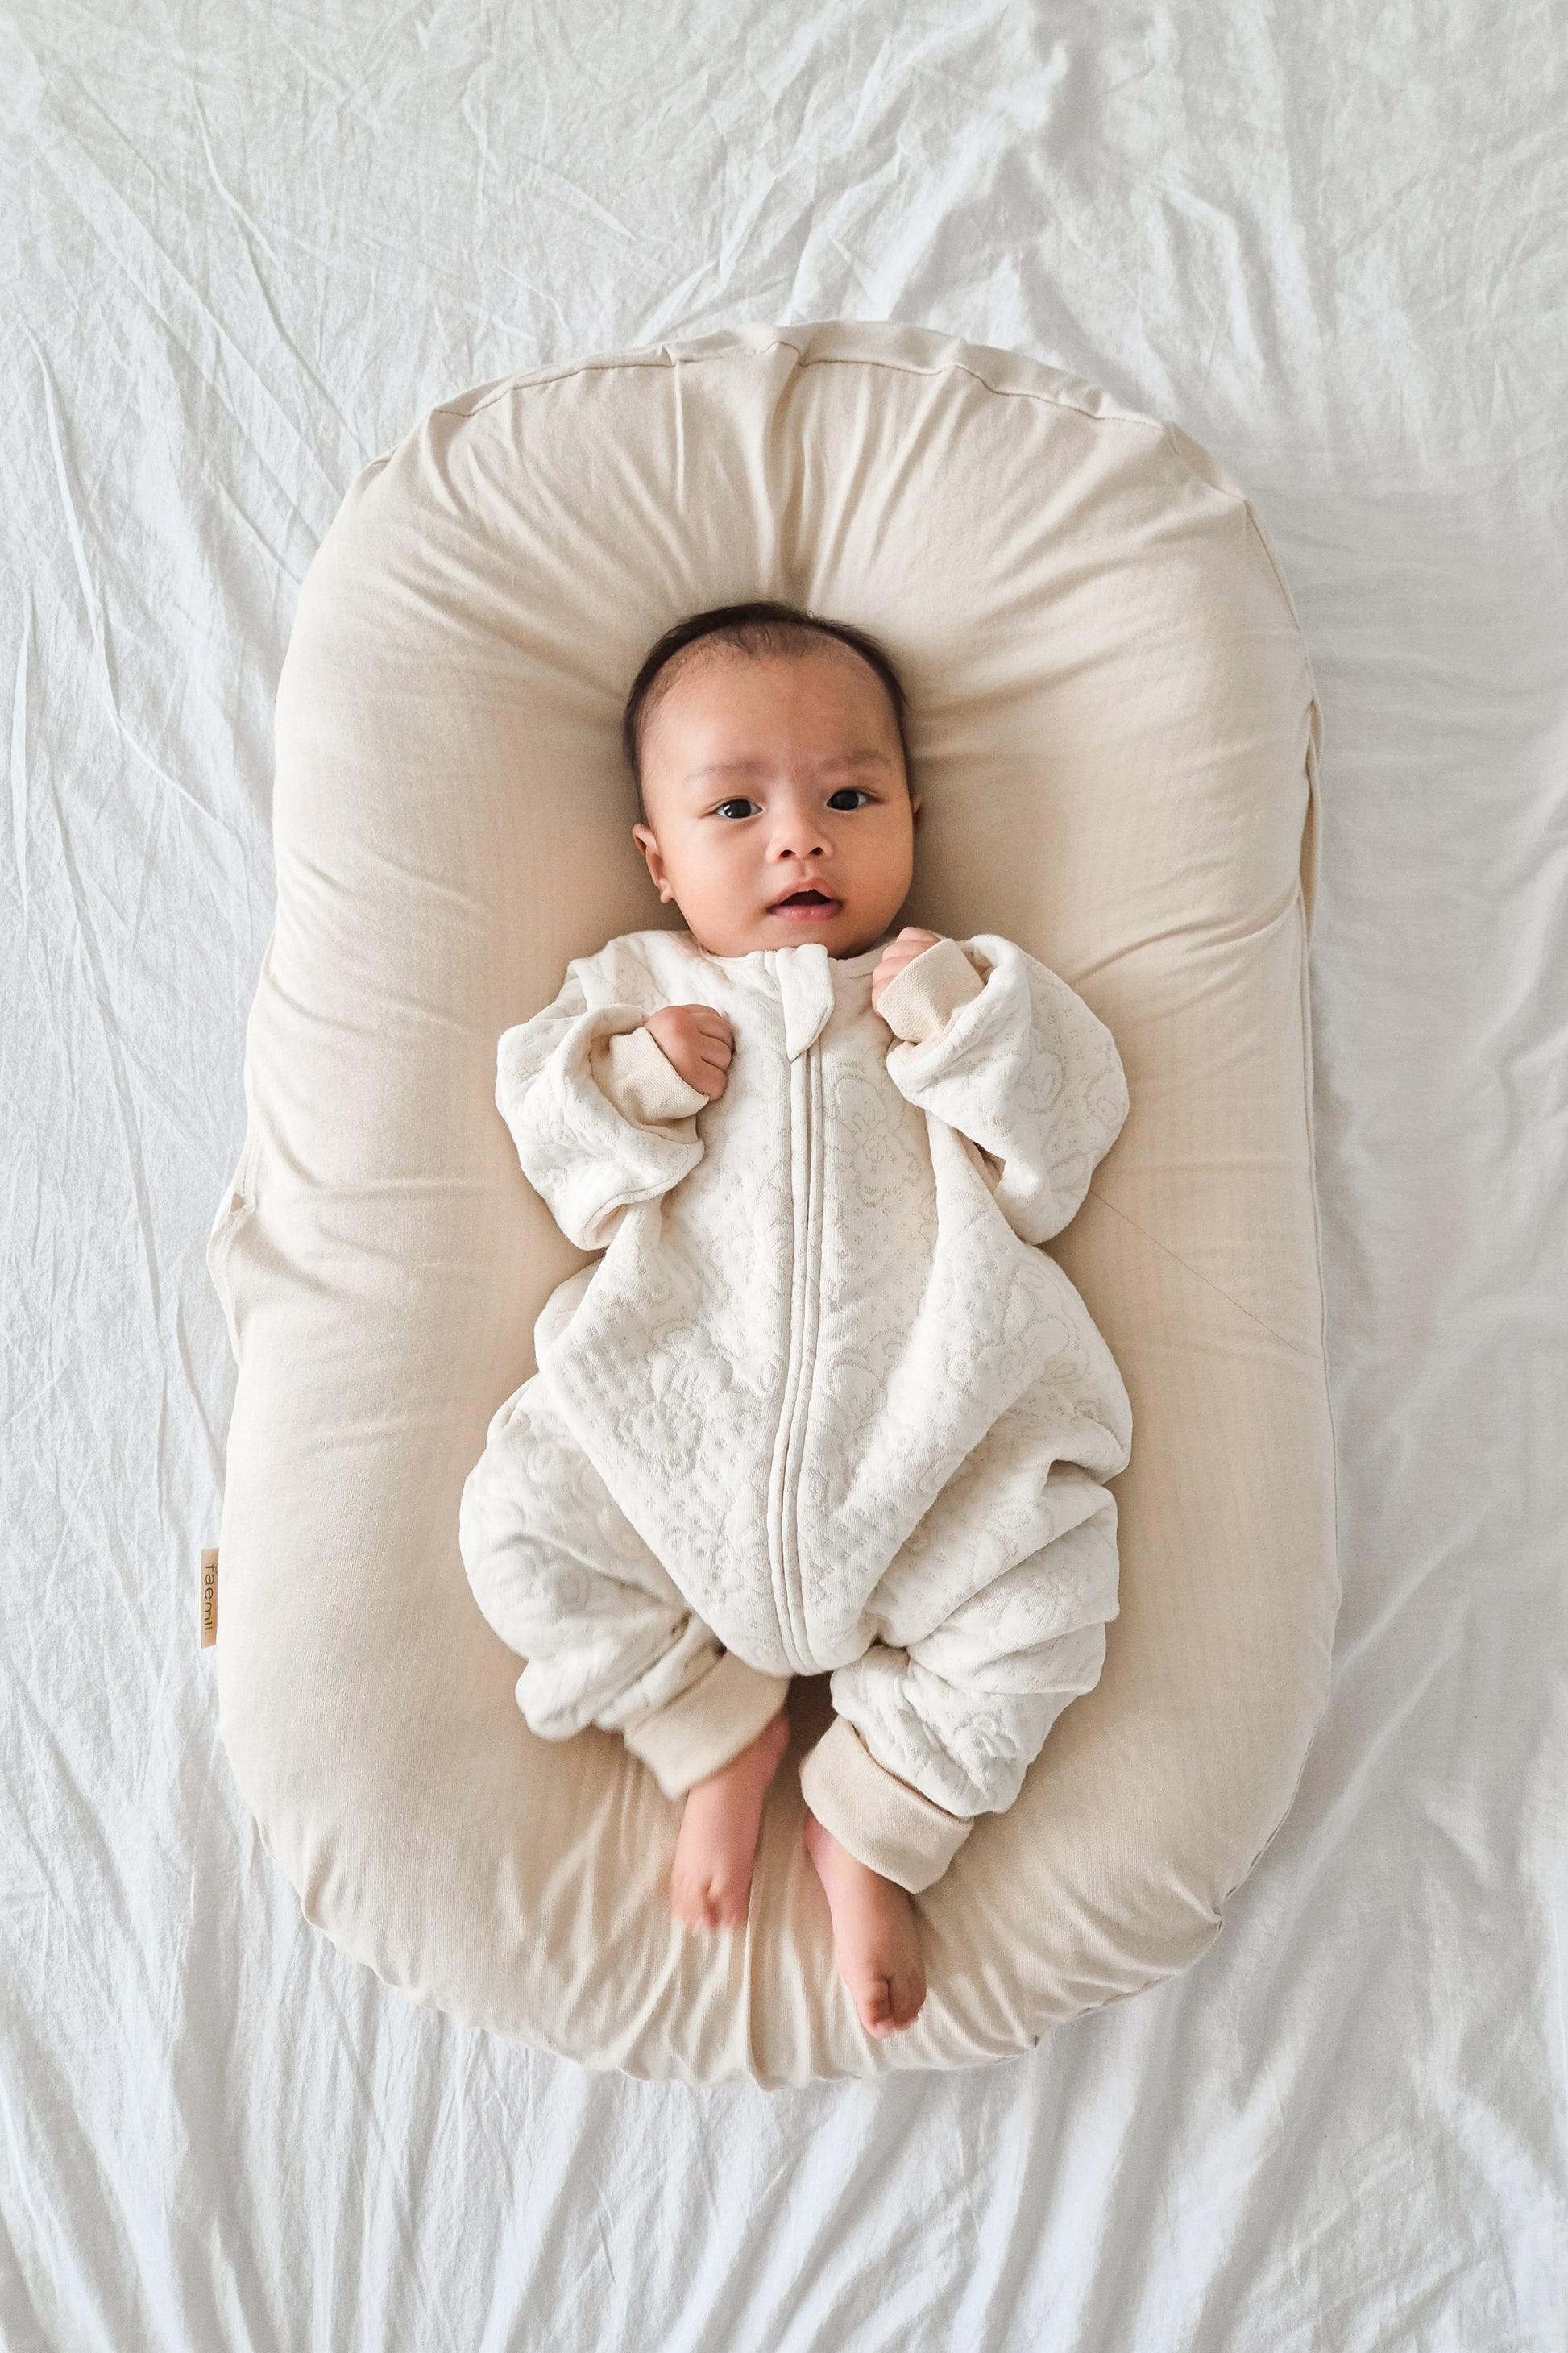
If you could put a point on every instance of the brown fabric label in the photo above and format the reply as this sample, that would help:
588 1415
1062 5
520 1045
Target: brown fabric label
207 1597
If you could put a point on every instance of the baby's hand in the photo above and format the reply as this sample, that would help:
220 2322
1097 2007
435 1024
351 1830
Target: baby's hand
909 944
699 1040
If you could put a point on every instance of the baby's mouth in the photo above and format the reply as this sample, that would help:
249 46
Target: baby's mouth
805 904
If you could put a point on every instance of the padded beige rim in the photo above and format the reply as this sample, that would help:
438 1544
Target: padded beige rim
1115 733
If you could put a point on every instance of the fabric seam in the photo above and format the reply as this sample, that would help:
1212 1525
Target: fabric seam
1313 1357
825 359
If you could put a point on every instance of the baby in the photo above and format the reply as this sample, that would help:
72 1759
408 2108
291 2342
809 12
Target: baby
823 1403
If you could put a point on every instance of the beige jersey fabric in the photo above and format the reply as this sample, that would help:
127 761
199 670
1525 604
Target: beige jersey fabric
822 1369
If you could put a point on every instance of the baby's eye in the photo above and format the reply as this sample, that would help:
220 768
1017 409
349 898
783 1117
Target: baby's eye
846 797
739 807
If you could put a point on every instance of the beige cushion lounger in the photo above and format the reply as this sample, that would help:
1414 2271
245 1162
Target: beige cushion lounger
1115 733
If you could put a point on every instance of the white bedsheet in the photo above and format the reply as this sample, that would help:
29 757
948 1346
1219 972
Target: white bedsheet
243 247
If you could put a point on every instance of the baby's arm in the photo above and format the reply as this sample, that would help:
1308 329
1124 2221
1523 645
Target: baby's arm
600 1114
1018 1063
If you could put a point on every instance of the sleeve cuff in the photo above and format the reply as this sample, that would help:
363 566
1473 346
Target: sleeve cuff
634 1073
889 1826
918 1003
702 1728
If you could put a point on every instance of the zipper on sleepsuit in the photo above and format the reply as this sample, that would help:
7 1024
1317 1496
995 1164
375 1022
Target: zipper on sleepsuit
806 1279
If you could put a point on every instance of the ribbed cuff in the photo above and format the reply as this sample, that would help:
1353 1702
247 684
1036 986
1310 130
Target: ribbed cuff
919 1002
707 1725
633 1072
889 1826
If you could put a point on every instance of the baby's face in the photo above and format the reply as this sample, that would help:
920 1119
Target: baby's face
777 806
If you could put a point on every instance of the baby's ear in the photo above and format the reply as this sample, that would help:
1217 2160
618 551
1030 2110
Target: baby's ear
914 809
643 835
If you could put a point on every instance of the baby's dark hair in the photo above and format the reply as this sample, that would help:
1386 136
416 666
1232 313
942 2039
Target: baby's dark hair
758 629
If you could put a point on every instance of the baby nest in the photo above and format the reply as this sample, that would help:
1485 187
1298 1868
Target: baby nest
1114 729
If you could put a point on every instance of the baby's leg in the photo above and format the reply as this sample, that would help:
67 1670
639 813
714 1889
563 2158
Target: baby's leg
710 1877
930 1735
960 1714
991 1620
609 1640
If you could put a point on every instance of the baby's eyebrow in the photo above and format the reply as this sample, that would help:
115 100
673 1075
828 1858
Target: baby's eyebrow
760 767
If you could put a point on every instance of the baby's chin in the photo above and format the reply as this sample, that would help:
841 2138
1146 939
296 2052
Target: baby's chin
841 934
848 931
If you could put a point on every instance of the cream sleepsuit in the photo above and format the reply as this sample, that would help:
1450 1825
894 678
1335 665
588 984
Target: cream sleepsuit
823 1403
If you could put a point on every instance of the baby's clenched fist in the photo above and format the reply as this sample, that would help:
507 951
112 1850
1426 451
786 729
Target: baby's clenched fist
910 942
698 1041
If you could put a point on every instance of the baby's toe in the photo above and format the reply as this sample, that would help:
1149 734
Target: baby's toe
890 2003
909 1995
874 2000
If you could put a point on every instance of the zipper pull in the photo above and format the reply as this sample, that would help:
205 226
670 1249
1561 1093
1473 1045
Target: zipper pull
805 994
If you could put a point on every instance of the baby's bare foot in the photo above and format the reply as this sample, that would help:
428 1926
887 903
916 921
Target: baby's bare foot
710 1877
874 1934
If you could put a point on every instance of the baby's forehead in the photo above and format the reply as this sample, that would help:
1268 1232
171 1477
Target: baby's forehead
714 657
711 670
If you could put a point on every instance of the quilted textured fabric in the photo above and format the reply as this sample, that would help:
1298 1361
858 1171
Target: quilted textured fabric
1113 734
823 1370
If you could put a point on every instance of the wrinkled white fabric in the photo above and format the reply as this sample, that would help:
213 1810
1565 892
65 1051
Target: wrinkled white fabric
829 1402
244 251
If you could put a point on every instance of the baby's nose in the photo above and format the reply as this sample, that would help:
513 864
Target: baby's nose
796 834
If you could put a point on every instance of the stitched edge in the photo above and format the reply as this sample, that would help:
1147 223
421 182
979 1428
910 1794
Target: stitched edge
532 383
